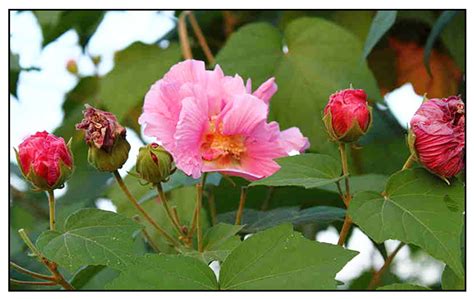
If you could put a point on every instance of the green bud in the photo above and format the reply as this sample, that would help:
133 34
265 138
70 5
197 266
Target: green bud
112 160
154 164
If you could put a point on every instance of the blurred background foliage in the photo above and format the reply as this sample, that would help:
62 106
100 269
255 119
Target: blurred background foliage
311 53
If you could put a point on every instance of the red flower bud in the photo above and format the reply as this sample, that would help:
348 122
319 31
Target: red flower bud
45 160
347 115
437 135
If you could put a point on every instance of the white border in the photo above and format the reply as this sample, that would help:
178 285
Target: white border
207 4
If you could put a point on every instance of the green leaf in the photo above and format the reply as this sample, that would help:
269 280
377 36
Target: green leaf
450 281
54 23
282 259
136 69
383 21
83 276
441 23
255 220
166 272
365 182
322 57
403 287
418 208
454 38
307 170
184 199
91 237
218 243
14 73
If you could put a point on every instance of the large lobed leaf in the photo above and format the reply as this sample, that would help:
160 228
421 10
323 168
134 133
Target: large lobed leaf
91 237
166 272
322 57
308 170
280 258
416 207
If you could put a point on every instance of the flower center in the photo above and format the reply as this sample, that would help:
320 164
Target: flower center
221 148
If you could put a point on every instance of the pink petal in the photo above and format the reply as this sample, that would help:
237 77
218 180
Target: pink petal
193 122
266 90
243 115
292 140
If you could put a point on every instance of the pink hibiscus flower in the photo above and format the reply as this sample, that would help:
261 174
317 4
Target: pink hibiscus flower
212 122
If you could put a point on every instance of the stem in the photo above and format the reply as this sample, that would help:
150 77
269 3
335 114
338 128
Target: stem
31 273
345 171
52 266
52 218
243 197
378 275
195 217
345 230
268 198
146 235
183 36
38 283
212 207
411 159
164 200
201 39
198 216
135 203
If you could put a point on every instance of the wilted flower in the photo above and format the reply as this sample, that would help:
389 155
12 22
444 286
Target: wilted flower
108 148
154 163
437 135
71 67
347 115
45 160
212 122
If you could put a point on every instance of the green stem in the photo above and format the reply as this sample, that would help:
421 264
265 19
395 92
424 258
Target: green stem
243 197
164 200
52 210
198 216
378 275
37 283
409 163
212 207
30 244
347 197
30 273
135 203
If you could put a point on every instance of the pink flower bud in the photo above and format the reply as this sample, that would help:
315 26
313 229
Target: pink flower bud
45 160
347 115
101 127
437 135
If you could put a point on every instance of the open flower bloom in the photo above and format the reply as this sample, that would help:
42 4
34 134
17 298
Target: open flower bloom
438 128
212 122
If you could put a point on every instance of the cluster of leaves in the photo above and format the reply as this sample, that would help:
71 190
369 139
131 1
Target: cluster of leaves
311 54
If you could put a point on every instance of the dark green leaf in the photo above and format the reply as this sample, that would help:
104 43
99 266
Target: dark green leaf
54 23
260 220
322 57
403 287
416 207
166 272
454 38
218 243
14 73
383 21
307 170
436 31
136 69
83 276
282 259
91 237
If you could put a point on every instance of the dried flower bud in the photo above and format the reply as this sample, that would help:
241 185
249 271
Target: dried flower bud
108 148
347 116
436 136
71 67
154 163
45 160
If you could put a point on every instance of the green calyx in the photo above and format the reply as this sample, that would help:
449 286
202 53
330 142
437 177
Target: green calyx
352 134
112 161
154 164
